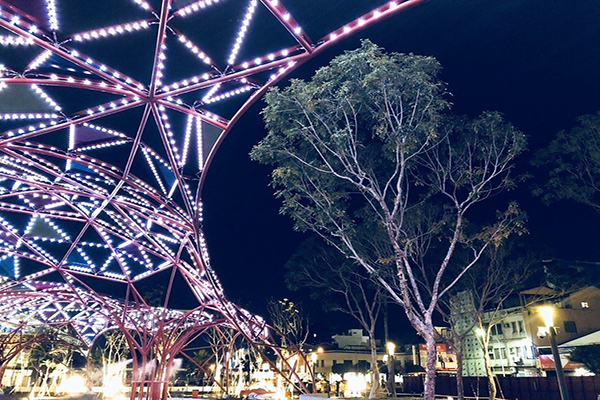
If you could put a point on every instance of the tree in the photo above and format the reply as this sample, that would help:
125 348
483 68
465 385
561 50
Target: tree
52 357
340 285
108 358
18 336
588 356
573 161
502 272
497 276
367 143
289 321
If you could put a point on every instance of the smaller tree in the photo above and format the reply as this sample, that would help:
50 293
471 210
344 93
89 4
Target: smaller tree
53 356
573 162
107 361
588 356
18 337
499 274
340 285
290 322
504 271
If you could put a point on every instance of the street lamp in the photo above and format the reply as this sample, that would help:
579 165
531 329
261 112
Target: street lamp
391 348
313 358
547 314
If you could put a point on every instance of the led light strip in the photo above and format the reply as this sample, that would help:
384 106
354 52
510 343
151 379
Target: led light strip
186 141
71 146
194 7
212 91
52 16
115 30
14 116
143 4
154 171
15 41
102 145
44 96
160 65
105 130
193 48
39 60
242 31
114 73
189 81
270 57
200 149
282 70
374 15
228 94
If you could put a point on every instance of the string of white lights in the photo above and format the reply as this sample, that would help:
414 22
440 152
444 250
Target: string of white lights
194 7
193 48
228 94
199 144
6 40
39 60
242 31
52 15
115 30
143 4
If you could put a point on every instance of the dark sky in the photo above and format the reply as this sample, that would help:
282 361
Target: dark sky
535 61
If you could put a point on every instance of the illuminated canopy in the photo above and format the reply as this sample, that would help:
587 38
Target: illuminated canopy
110 113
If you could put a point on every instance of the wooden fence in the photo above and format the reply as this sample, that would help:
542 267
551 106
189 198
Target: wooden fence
512 388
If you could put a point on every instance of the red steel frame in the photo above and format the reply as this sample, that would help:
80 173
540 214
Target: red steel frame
126 209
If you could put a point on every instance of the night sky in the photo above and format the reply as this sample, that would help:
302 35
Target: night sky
535 61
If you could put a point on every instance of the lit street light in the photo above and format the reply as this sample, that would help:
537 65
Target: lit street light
547 314
391 348
313 358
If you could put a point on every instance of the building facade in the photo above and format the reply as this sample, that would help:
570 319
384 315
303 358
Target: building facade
515 346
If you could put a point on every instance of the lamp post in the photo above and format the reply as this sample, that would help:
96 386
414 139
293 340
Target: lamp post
547 314
391 348
313 358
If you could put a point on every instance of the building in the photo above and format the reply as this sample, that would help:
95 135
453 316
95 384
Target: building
515 347
576 314
353 351
355 339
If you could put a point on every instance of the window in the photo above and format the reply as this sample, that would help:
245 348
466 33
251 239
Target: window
514 326
333 362
497 329
570 326
521 327
499 353
322 363
585 304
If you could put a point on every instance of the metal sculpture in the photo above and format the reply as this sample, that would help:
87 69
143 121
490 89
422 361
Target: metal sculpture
109 118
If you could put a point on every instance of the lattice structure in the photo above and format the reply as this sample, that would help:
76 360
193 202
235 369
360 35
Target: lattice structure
110 113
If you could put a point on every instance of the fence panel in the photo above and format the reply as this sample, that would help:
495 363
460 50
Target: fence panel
512 388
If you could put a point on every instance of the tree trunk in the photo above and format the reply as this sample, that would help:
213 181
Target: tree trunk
2 370
460 386
490 375
374 366
429 391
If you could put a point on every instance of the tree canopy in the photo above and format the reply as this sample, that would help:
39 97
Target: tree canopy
572 164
